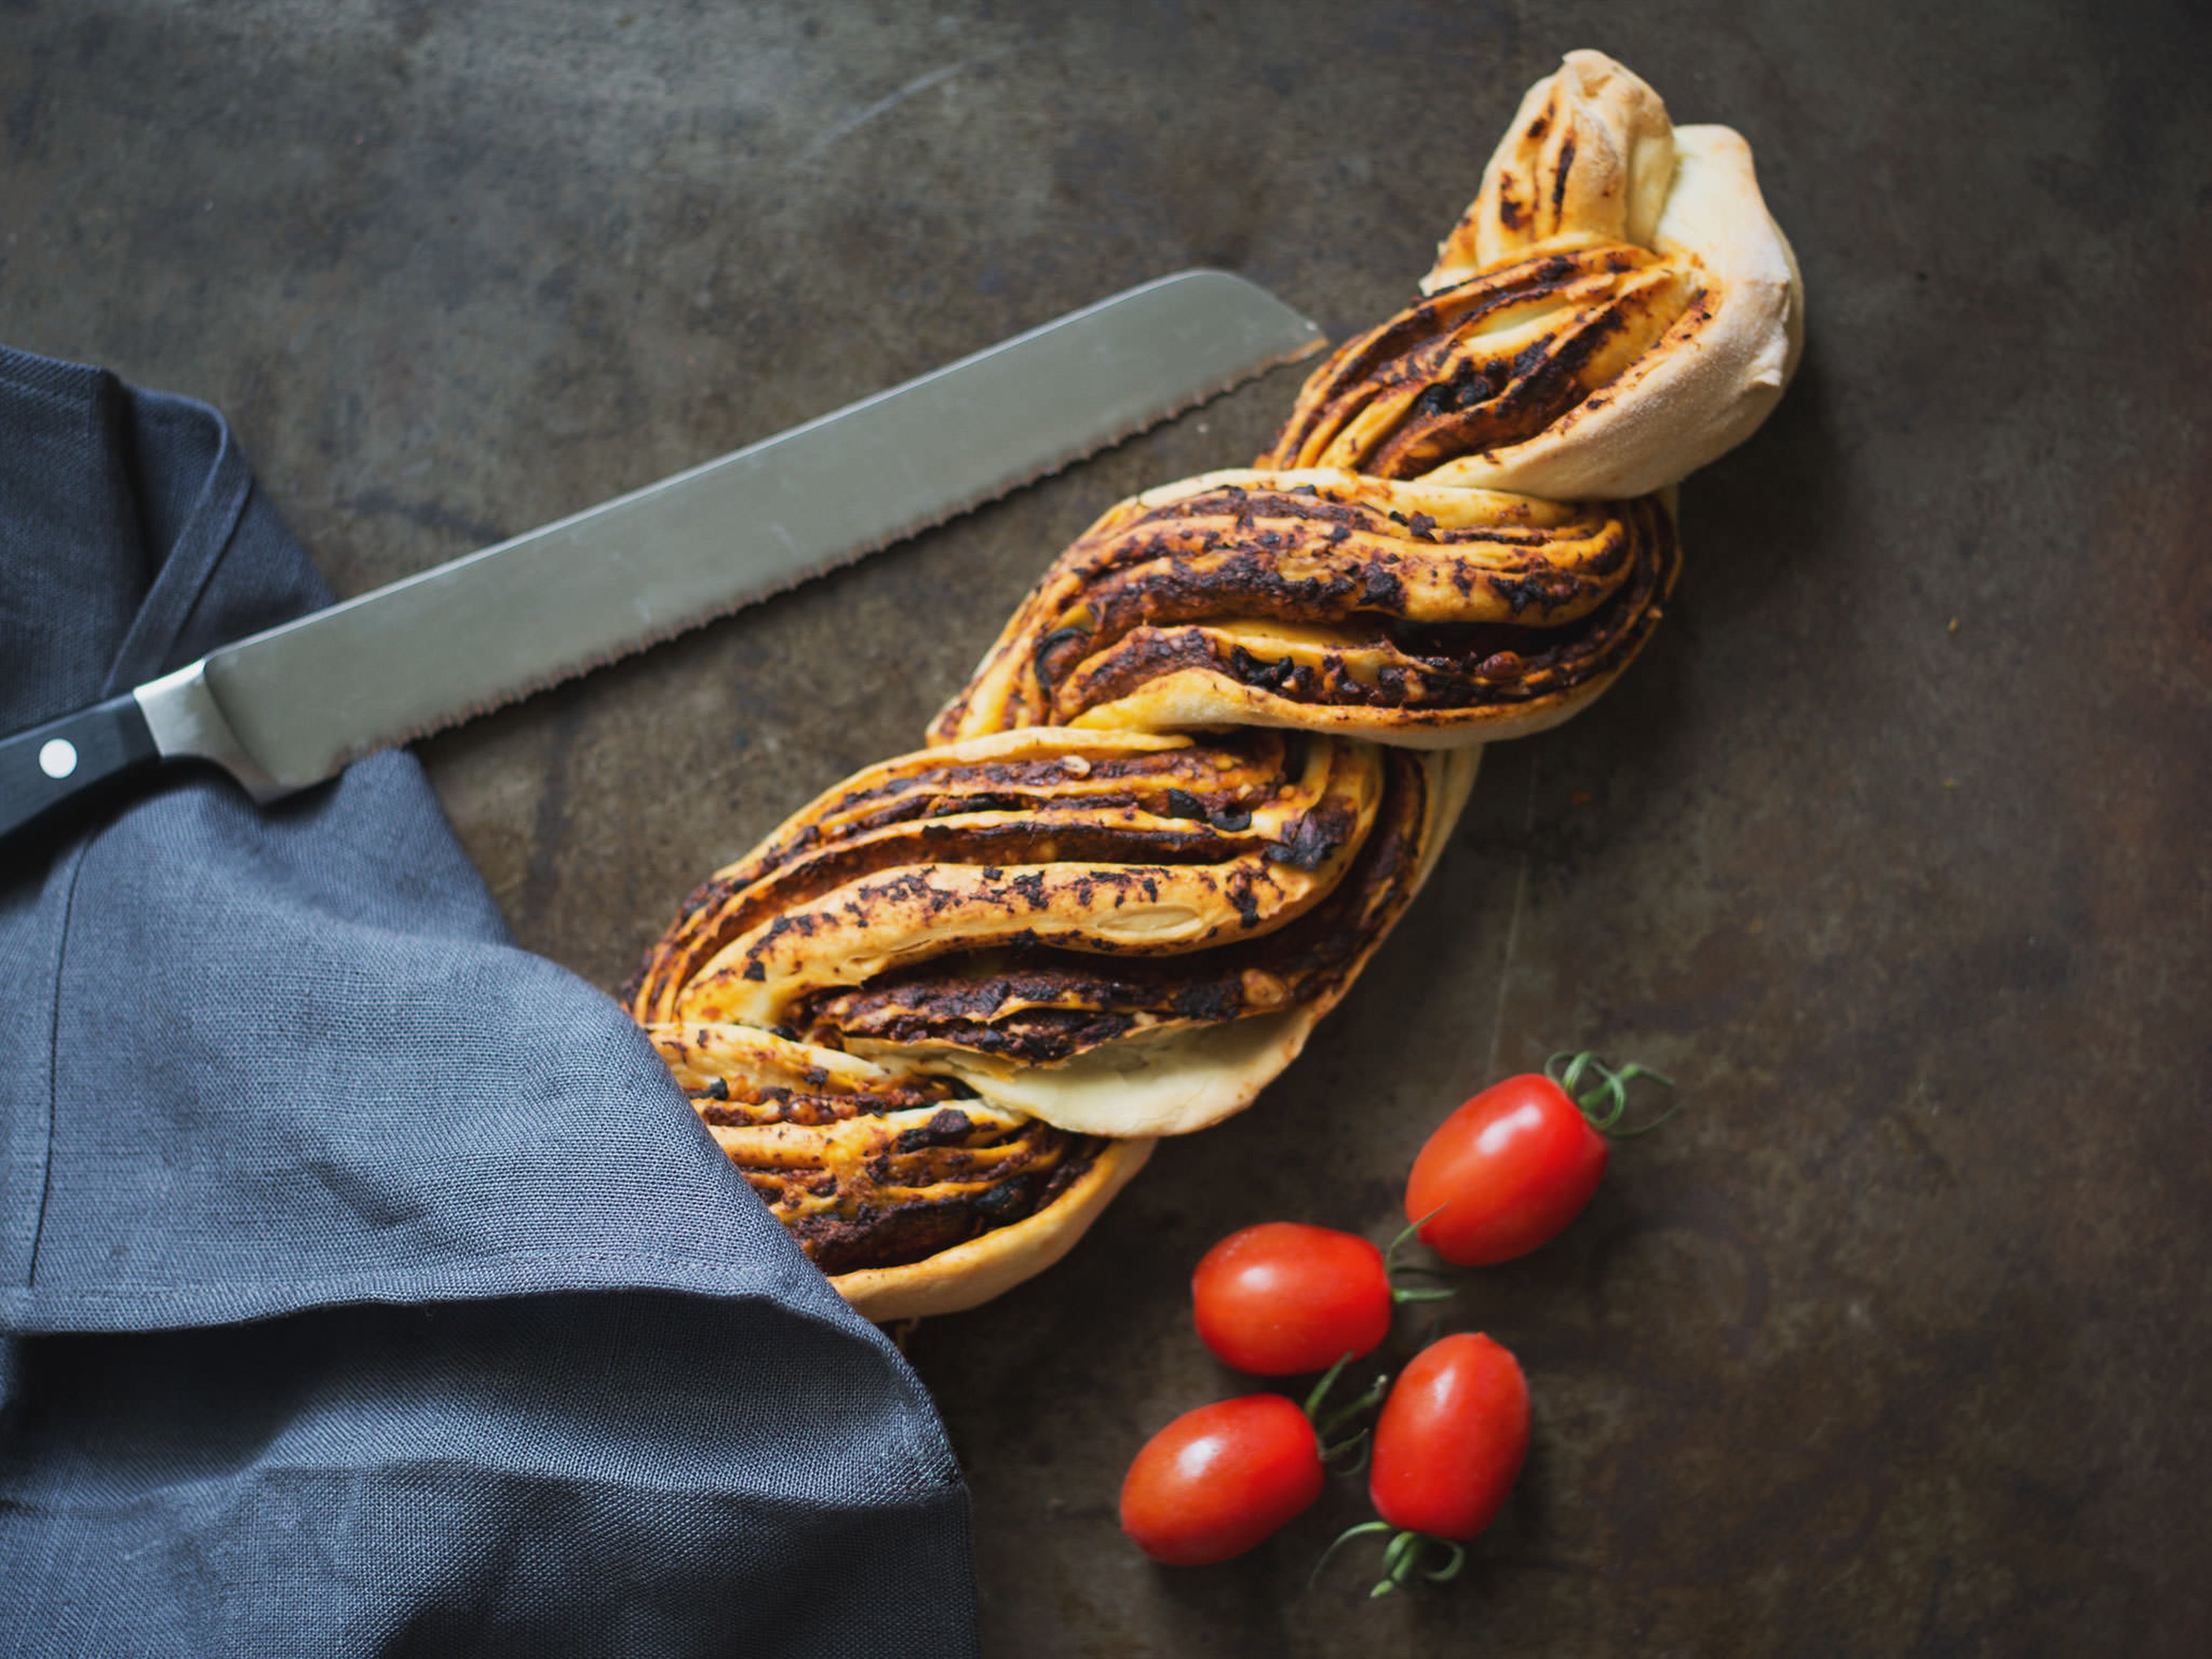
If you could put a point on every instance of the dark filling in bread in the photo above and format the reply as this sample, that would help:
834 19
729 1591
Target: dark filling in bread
948 1179
1474 396
1040 1004
1153 616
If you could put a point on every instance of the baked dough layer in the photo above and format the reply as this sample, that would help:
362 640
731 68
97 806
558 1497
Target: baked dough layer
913 1195
1116 932
1323 600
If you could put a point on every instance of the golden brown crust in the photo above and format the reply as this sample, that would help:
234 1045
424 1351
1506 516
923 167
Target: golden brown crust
1489 363
868 1167
998 909
1590 171
1220 746
970 1274
1108 845
1588 158
1325 601
1177 1081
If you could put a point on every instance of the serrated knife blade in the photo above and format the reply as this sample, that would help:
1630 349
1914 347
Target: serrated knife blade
293 705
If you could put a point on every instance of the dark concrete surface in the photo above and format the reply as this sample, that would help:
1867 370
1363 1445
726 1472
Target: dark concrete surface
1894 847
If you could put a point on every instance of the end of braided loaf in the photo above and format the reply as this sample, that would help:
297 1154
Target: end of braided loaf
1589 158
1701 327
1615 310
936 1017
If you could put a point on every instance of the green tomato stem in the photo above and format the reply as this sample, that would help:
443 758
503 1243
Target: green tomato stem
1340 1541
1402 1557
1362 1443
1392 1266
1326 1426
1603 1105
1321 1389
1445 1574
1337 1418
1406 1238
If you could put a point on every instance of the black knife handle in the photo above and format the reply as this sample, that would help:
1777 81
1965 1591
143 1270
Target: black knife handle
48 764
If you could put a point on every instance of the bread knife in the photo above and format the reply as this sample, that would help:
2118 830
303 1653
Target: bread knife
295 704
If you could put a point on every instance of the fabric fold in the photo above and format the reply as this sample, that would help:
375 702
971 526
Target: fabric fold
286 1065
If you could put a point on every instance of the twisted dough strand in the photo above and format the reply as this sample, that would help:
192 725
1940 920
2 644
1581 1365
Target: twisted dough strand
1329 602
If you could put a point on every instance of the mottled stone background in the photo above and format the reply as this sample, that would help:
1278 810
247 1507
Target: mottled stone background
1894 847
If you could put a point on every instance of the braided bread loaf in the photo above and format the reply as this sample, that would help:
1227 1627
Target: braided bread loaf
936 1017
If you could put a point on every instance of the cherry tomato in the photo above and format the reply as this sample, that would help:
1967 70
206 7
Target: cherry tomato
1283 1298
1504 1172
1451 1440
1218 1480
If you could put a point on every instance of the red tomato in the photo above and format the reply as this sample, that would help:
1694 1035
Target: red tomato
1505 1173
1451 1440
1218 1480
1283 1298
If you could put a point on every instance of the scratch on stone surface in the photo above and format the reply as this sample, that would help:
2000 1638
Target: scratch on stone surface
378 502
549 829
1512 931
860 117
